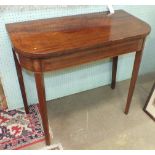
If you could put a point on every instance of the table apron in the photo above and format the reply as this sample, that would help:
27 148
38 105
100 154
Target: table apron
80 57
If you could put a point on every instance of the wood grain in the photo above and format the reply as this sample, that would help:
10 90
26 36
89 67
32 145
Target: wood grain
81 57
136 66
42 104
47 37
21 82
57 43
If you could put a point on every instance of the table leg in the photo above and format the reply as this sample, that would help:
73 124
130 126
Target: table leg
21 82
42 104
114 71
136 66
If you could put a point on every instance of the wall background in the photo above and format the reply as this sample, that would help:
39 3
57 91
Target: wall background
71 80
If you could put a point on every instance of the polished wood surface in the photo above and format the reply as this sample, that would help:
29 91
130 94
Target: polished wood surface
52 37
137 62
81 57
42 104
21 82
57 43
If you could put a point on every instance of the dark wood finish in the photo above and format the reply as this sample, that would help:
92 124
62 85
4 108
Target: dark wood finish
21 82
64 35
81 57
52 44
148 99
114 71
42 104
137 62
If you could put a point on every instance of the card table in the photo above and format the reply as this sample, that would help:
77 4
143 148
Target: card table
57 43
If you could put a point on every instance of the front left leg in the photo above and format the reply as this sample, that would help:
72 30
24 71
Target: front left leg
42 104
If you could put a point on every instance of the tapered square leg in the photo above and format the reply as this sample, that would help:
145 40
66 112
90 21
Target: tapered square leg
21 82
114 71
136 66
42 105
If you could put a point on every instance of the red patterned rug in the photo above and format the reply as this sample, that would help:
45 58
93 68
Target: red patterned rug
18 130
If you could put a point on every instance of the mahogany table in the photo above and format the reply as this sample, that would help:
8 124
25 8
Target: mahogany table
51 44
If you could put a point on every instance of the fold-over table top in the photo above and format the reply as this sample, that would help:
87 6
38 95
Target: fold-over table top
53 36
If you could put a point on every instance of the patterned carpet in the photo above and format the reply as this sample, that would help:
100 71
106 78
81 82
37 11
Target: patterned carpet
18 130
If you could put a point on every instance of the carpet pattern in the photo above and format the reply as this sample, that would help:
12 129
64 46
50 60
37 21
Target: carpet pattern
18 130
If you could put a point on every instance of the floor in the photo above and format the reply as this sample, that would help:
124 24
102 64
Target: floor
94 119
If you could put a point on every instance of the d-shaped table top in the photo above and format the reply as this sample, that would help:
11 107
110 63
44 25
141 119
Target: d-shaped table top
57 43
48 37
